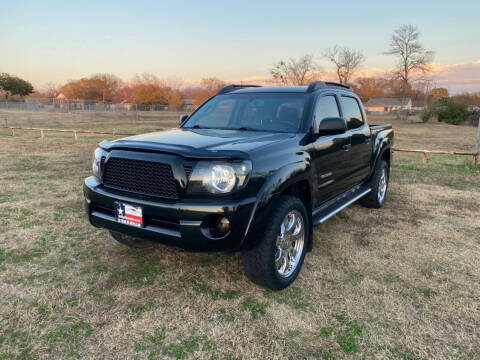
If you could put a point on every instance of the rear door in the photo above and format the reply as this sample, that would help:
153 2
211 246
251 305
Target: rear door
328 152
357 164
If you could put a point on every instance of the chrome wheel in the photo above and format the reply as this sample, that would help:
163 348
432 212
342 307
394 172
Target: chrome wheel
382 186
290 242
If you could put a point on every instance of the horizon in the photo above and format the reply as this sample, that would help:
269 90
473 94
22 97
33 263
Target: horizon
235 42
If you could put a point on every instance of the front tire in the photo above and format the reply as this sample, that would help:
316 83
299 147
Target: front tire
131 241
277 258
379 185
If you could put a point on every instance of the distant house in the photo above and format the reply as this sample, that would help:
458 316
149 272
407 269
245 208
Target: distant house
418 105
387 104
127 105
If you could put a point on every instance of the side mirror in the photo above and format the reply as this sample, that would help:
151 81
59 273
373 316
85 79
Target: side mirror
183 118
332 126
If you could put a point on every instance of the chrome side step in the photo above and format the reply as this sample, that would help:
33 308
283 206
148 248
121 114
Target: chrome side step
325 212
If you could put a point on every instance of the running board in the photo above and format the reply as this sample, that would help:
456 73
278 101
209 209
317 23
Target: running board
326 211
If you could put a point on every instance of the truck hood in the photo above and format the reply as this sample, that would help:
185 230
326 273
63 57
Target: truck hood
200 143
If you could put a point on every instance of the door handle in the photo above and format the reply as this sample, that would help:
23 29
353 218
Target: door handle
346 147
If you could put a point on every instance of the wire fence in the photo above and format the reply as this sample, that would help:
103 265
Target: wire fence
67 105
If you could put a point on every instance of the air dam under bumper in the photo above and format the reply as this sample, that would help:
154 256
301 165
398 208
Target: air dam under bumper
181 224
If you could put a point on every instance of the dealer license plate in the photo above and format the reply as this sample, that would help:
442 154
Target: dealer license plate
129 214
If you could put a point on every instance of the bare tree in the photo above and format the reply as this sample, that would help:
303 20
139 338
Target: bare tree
295 72
51 90
212 84
345 60
412 57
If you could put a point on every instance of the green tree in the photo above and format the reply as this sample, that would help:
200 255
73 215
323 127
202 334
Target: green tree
13 85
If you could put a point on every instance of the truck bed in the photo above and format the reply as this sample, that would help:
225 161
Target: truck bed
377 128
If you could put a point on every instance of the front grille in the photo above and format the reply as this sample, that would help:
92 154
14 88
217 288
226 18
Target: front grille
140 176
103 209
102 162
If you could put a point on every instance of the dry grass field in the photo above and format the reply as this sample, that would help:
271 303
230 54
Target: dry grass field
398 283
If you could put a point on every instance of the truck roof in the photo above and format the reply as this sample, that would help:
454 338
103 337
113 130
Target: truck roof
314 86
271 89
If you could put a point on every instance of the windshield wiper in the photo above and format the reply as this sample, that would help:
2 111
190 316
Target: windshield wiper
199 127
245 128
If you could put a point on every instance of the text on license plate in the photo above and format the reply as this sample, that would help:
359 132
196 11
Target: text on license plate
129 214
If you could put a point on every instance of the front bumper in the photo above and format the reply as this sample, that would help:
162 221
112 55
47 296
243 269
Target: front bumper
180 224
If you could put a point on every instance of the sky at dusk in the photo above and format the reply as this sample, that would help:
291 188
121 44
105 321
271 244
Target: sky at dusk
55 41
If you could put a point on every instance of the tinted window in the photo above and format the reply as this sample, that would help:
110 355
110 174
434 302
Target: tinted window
352 112
258 111
326 107
218 113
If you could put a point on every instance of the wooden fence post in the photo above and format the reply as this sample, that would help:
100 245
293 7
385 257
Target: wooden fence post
13 132
424 157
75 134
41 134
477 145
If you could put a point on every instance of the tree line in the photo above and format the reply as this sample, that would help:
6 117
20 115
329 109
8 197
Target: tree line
144 89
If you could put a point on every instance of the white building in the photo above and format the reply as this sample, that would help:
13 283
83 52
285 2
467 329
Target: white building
387 104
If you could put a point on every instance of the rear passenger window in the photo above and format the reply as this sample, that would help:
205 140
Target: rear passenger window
352 112
326 107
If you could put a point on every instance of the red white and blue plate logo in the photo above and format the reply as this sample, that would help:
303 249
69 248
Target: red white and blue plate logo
129 214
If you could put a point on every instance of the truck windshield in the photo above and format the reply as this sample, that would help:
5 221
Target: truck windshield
278 112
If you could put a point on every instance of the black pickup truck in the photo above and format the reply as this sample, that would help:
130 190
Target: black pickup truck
251 170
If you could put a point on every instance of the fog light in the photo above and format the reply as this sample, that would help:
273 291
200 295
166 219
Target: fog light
223 225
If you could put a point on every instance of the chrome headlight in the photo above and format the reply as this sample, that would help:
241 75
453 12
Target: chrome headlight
219 177
97 161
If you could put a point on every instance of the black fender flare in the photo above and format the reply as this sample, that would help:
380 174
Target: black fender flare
275 184
382 144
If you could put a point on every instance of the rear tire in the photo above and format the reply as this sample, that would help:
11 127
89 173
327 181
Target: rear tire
131 241
379 185
277 258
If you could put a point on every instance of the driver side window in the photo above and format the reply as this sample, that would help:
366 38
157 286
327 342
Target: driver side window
326 107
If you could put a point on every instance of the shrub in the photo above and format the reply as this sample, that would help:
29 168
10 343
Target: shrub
426 115
451 111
